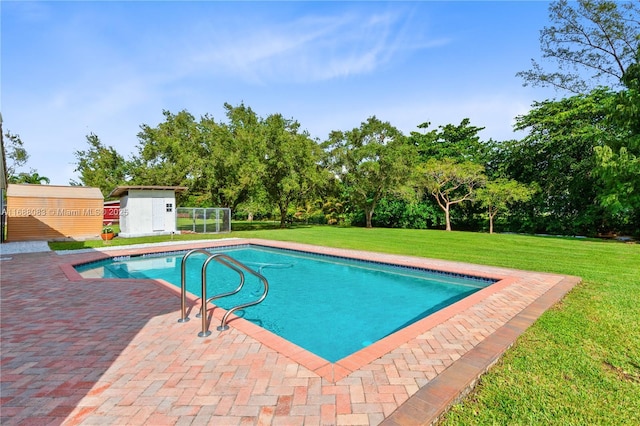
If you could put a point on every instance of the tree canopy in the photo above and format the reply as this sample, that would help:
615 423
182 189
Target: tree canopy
371 161
558 155
580 152
498 194
452 183
290 163
461 142
15 153
590 42
618 159
100 166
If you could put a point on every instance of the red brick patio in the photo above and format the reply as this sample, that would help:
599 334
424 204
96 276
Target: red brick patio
98 351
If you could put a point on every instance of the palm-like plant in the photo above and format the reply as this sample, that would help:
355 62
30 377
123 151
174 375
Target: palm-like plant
31 177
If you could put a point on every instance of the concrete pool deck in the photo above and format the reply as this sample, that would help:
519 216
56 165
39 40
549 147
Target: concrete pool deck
104 351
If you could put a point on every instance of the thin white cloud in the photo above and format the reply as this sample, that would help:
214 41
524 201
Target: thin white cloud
311 48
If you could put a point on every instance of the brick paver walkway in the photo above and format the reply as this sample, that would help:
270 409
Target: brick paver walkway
97 351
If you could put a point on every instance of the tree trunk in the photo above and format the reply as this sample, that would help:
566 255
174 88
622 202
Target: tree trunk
369 215
447 218
491 216
283 217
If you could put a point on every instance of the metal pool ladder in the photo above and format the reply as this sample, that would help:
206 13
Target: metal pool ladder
229 262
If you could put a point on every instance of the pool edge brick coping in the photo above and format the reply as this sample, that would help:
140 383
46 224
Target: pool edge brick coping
428 367
450 387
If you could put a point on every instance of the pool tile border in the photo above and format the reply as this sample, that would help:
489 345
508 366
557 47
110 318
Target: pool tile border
454 377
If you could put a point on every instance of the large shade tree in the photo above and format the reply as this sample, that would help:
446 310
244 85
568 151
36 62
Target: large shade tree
371 161
232 167
100 166
619 158
290 170
15 153
558 155
170 153
457 142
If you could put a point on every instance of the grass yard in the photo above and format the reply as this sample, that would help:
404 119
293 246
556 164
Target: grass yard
578 364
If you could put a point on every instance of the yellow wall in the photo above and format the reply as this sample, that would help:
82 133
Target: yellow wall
31 218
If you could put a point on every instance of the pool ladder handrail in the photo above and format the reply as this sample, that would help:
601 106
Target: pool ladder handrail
231 263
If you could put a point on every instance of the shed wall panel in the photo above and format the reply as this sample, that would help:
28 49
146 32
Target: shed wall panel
38 218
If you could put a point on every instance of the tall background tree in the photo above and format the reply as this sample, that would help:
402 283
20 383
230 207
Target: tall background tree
290 164
170 153
16 154
233 151
371 161
16 157
458 142
558 155
590 43
100 166
619 158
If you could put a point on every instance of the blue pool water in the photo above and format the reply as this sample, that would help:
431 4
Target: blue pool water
330 306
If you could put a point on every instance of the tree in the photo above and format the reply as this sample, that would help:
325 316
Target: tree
219 162
171 153
290 163
16 154
32 178
233 150
619 159
498 194
460 143
100 166
558 155
394 212
592 43
452 183
371 161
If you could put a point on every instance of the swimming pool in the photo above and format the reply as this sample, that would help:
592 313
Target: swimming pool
331 306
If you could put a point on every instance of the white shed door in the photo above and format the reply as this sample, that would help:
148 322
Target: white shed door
157 214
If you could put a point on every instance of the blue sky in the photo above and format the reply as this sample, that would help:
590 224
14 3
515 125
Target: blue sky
71 68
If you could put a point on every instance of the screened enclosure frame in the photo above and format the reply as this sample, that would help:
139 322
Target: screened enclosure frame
203 220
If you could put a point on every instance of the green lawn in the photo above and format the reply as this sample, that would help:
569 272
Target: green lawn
578 364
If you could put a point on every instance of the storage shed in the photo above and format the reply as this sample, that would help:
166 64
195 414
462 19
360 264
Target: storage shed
51 212
147 210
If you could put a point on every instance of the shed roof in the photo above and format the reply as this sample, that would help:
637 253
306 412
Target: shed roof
122 190
53 191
